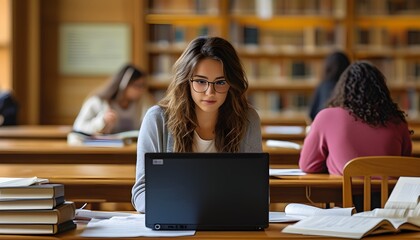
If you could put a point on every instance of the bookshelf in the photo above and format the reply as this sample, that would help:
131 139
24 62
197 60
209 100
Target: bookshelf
387 33
282 44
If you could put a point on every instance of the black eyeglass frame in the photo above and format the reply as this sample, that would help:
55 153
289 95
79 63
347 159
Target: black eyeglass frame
208 84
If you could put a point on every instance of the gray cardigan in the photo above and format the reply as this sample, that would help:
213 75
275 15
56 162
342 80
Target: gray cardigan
154 137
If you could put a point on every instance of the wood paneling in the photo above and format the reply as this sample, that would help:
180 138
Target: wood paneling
56 98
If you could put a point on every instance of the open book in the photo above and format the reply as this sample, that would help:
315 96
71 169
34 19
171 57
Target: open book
297 211
401 212
107 140
20 182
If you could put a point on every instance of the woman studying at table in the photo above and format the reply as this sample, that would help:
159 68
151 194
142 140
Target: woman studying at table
118 106
361 120
205 109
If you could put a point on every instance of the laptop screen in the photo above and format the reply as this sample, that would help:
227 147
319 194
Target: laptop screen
207 191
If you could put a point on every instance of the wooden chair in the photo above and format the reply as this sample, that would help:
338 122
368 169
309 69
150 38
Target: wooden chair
379 167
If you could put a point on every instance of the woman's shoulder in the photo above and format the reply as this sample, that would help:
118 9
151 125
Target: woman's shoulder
333 111
155 111
332 114
252 114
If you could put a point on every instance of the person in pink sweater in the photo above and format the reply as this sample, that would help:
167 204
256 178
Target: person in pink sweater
361 120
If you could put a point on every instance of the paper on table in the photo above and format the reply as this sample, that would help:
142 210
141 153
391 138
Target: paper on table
21 182
283 144
284 129
132 226
279 217
286 172
84 213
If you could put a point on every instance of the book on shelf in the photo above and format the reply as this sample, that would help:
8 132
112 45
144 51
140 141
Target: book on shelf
294 212
62 213
401 212
42 191
30 204
34 229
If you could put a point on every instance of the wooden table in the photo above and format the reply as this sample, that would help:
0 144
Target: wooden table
113 182
58 151
83 182
35 131
291 156
272 232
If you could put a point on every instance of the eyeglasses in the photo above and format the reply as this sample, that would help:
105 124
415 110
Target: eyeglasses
201 85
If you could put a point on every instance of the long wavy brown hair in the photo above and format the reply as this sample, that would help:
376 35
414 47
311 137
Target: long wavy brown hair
179 107
362 90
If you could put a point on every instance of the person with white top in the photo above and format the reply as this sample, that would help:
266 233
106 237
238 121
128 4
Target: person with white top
205 109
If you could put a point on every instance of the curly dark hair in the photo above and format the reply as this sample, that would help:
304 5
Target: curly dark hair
362 90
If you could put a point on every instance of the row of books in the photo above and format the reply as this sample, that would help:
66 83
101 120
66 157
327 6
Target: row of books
309 38
287 7
35 209
382 37
387 7
274 103
305 38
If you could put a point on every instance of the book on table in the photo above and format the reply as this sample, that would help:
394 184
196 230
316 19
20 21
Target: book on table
30 204
33 229
294 212
401 212
62 213
21 182
121 139
41 191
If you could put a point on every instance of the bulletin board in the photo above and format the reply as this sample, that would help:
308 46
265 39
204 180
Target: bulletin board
93 49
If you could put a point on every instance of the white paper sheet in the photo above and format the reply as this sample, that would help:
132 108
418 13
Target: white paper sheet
286 172
284 129
20 182
281 217
132 226
283 144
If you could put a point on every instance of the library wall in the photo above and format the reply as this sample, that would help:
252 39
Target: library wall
282 45
57 97
63 94
5 46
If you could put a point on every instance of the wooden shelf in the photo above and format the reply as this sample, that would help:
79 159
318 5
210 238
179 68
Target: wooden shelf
293 44
286 22
393 21
186 20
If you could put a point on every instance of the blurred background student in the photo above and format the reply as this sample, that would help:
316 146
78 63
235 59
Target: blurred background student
334 65
8 109
118 106
361 120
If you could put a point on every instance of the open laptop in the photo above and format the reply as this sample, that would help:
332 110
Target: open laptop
207 191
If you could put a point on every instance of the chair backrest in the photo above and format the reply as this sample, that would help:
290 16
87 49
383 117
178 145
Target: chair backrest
380 168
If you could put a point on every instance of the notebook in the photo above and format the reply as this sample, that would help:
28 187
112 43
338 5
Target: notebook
207 191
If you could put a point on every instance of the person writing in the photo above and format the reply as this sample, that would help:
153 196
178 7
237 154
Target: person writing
334 66
116 107
205 109
361 120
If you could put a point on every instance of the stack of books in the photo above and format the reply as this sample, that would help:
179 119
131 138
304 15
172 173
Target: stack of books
35 209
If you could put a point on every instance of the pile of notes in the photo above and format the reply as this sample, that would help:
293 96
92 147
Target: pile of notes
33 206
